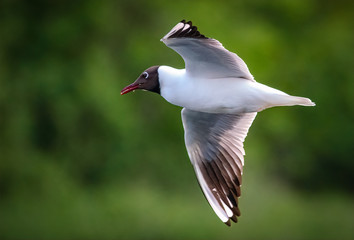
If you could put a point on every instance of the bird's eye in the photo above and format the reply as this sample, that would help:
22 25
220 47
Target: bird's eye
145 75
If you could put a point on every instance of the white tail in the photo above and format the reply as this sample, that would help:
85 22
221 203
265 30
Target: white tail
287 100
294 100
274 97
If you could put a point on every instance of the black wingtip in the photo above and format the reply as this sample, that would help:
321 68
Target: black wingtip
190 32
228 223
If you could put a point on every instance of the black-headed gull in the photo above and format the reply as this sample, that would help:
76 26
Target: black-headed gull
220 100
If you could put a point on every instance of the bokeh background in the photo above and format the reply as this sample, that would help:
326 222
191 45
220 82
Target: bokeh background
79 161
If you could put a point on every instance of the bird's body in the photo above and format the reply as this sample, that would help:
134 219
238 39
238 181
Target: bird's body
240 95
220 100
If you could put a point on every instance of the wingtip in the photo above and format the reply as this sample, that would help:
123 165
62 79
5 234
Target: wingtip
234 218
181 31
228 223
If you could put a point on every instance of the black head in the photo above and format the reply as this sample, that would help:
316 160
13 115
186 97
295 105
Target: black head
148 80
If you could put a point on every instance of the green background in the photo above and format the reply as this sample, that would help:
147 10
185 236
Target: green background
79 161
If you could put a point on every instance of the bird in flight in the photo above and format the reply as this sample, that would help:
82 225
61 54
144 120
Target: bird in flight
220 100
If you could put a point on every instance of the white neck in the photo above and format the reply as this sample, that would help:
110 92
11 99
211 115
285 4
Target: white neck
172 83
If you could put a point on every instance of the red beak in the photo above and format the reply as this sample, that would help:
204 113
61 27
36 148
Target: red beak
129 88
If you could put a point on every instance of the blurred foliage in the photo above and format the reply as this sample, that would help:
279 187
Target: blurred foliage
78 161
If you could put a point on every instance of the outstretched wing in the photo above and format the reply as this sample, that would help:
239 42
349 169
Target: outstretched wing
215 147
204 57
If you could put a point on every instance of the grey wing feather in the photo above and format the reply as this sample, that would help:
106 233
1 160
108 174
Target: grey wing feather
205 57
215 147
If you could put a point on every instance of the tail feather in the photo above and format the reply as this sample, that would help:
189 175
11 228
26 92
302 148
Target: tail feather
288 100
301 101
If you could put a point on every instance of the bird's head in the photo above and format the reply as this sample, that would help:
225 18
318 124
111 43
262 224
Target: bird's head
148 80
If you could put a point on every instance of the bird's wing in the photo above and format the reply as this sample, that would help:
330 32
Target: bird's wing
204 57
215 146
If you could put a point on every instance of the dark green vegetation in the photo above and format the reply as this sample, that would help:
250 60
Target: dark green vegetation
79 161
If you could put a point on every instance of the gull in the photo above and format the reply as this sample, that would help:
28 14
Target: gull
220 100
